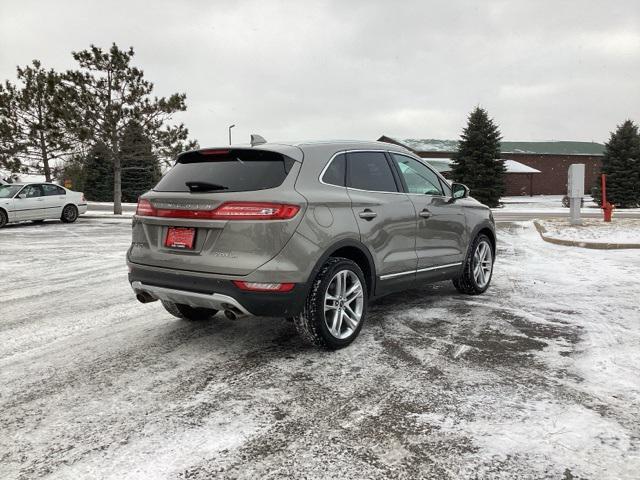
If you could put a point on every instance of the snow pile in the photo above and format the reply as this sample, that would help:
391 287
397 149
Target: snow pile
619 231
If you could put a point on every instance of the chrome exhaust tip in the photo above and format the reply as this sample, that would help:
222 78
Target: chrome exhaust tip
144 297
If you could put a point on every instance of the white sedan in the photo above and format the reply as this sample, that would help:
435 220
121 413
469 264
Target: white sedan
38 202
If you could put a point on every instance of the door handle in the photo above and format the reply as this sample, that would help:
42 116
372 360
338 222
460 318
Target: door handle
425 213
40 199
367 214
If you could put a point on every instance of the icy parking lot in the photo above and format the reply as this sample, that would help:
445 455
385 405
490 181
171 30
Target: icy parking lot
538 378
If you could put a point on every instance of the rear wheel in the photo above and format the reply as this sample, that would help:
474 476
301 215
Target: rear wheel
69 214
336 306
3 218
186 312
477 269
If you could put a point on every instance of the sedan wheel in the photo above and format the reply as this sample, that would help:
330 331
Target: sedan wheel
69 214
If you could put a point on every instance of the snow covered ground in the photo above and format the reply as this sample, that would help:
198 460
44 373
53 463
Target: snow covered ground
619 231
538 378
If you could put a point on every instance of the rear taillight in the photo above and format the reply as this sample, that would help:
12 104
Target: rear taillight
83 199
264 287
226 211
255 211
145 208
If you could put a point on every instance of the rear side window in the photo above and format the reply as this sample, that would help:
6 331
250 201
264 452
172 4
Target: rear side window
370 171
226 171
336 171
50 190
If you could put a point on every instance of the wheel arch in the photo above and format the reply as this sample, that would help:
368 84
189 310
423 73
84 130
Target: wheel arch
354 251
487 228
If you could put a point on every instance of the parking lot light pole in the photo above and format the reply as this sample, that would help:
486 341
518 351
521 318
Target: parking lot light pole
230 127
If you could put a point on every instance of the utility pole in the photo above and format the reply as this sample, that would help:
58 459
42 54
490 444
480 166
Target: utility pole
230 127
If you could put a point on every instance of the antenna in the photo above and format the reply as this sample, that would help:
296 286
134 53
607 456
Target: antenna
257 140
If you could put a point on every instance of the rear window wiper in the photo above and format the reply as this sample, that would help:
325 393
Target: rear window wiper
204 186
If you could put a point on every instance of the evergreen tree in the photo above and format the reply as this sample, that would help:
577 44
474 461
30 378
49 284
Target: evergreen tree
33 119
477 162
73 170
111 92
621 164
140 166
98 174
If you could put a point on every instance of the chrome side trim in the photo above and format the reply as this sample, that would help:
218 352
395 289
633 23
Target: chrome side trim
438 267
419 270
216 301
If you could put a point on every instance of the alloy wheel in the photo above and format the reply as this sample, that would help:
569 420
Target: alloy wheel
343 304
482 264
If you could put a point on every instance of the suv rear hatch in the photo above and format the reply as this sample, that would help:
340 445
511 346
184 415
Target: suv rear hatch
223 211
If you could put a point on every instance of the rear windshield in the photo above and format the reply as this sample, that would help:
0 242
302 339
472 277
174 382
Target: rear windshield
208 171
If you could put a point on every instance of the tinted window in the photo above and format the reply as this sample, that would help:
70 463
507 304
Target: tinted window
418 177
31 191
226 171
336 171
370 171
53 190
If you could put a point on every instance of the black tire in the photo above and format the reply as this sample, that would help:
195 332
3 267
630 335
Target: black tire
69 214
311 323
4 219
467 282
186 312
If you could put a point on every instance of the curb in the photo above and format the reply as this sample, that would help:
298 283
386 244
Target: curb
573 243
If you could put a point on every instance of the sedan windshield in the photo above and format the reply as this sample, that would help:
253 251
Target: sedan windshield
8 191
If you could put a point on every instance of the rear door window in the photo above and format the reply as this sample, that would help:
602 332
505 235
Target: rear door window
370 171
50 190
226 171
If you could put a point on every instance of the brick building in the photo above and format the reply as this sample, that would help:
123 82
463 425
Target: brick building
552 159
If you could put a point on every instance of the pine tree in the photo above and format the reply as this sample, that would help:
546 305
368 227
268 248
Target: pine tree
33 121
140 166
98 174
477 162
621 164
111 92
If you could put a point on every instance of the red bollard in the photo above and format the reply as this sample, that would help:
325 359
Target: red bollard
607 207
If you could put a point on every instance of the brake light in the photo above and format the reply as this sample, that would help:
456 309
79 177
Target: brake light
226 211
213 152
264 287
145 208
255 211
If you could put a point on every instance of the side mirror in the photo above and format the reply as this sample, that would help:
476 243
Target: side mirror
22 195
458 190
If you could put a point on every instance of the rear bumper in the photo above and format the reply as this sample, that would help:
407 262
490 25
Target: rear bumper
209 291
82 208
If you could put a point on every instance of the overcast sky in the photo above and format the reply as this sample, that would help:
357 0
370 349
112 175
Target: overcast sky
545 70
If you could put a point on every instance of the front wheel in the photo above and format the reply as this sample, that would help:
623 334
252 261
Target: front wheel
4 219
336 306
69 214
477 269
186 312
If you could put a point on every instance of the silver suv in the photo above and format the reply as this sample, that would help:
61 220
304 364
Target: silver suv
309 231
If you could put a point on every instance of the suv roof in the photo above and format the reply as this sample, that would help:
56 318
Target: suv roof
295 149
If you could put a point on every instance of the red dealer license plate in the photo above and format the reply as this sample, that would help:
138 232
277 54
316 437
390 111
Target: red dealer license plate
179 237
